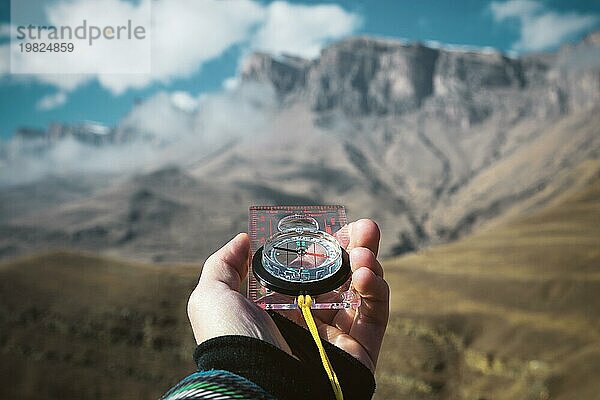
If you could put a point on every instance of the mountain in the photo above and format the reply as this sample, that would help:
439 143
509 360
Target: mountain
432 142
445 134
506 314
86 132
511 313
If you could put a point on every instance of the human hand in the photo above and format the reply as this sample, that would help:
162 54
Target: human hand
360 332
216 307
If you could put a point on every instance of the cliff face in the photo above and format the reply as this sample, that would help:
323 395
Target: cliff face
441 132
433 143
360 76
367 76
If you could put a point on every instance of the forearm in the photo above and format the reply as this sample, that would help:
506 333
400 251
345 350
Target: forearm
273 373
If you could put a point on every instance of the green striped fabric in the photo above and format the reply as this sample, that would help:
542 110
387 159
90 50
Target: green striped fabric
215 385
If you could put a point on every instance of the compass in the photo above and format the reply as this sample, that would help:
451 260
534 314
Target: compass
301 259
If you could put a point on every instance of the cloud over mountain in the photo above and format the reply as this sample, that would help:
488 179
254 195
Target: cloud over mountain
302 30
540 27
186 34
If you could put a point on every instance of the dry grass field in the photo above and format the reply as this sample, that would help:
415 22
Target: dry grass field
511 313
80 327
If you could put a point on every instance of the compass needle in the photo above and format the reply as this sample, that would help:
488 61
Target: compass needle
285 249
316 254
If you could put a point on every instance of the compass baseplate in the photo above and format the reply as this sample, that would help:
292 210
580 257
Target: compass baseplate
262 224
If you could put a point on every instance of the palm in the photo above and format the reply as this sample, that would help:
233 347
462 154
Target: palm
338 331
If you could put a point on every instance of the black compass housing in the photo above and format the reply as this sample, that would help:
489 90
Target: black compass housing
297 288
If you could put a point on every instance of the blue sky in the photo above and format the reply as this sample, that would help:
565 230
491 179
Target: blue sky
515 26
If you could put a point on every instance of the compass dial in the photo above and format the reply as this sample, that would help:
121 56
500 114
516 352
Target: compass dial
301 259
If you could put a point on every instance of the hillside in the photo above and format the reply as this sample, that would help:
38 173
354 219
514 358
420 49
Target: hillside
513 312
75 326
435 143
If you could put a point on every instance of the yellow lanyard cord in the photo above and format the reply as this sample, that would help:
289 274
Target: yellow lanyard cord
305 302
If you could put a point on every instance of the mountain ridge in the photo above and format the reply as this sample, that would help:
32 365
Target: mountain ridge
433 144
404 73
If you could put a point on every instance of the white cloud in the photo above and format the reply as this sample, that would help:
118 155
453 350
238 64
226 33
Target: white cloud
160 118
244 111
52 101
182 118
514 8
185 34
541 28
303 30
161 130
184 101
231 83
552 29
69 70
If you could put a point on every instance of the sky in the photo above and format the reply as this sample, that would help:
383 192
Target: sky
198 45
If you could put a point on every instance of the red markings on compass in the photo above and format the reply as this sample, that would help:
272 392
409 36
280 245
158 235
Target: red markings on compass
263 220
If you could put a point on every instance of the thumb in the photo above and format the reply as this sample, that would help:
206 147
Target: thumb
229 265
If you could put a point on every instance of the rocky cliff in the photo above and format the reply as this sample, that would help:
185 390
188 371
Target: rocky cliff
366 76
432 142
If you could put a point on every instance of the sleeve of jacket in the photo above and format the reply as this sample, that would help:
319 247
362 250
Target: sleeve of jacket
286 377
215 385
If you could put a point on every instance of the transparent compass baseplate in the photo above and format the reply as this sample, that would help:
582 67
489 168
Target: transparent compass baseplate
264 222
343 297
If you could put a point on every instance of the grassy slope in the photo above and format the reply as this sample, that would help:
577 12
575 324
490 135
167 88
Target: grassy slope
511 313
81 327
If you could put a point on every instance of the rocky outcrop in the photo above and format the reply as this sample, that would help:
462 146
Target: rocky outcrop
373 76
285 73
365 76
461 73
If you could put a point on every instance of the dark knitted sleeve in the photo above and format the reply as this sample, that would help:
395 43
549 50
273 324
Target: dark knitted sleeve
284 376
357 381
